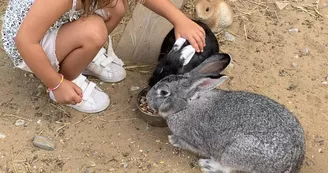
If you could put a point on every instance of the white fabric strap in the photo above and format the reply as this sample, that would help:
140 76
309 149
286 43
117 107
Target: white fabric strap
74 5
100 54
106 62
81 82
110 50
101 58
111 54
86 86
88 91
103 13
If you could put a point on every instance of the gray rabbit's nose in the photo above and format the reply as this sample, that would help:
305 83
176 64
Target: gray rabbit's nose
155 111
153 107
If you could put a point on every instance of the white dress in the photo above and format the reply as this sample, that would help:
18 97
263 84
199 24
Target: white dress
14 16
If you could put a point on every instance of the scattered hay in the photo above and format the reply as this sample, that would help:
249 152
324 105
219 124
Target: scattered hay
243 9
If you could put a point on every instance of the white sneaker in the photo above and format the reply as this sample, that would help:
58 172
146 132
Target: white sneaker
94 99
106 66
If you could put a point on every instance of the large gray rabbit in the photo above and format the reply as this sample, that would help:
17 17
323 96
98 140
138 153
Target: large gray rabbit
234 130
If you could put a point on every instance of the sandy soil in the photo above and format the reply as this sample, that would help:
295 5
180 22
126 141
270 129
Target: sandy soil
291 68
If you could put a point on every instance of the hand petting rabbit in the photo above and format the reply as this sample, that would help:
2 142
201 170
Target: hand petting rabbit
179 57
233 130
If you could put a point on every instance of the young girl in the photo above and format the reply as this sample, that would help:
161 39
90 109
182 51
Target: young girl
59 40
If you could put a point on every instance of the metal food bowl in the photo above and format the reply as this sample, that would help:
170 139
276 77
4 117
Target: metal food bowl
148 117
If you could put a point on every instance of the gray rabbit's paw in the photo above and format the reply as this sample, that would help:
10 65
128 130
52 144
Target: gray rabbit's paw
174 140
212 166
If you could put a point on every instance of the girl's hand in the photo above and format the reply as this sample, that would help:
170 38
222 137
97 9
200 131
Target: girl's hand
68 93
191 31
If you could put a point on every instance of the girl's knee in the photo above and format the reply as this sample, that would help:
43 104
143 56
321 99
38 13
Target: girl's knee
95 31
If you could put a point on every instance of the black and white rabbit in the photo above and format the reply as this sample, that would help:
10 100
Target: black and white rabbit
178 56
233 130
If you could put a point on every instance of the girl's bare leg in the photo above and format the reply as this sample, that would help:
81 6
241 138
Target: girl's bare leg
78 42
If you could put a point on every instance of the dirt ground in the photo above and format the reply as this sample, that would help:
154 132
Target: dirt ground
290 67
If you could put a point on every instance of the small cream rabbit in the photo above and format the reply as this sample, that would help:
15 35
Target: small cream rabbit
217 14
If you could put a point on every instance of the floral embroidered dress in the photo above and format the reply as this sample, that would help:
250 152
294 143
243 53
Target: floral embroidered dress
14 16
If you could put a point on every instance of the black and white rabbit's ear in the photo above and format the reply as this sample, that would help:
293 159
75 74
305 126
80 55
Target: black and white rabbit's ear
178 44
186 54
212 66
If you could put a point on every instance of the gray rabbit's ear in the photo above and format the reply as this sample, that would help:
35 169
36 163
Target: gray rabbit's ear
204 84
178 44
207 75
186 54
212 66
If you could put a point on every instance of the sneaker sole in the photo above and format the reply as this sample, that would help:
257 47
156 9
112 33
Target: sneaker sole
90 111
86 111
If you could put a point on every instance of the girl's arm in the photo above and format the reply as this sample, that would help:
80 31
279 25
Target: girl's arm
184 27
40 17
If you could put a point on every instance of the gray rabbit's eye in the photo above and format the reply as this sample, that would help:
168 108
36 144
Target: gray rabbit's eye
164 93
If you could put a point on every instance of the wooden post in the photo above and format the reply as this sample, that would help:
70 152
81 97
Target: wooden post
143 35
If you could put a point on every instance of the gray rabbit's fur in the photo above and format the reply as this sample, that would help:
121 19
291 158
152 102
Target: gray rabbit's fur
234 130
